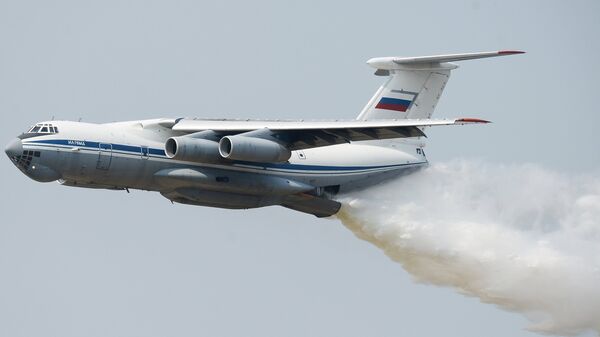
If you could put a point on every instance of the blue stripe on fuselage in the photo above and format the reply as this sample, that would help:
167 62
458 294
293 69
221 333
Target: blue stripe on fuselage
96 145
161 153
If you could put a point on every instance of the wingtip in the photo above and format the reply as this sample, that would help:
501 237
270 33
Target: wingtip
472 120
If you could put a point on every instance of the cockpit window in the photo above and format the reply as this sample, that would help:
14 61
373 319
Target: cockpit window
43 128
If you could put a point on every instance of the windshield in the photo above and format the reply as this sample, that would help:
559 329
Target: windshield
43 128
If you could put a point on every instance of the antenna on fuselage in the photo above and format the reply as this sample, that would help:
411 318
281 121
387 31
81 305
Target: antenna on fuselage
79 120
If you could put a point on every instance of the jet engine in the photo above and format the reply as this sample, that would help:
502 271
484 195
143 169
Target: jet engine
192 149
253 149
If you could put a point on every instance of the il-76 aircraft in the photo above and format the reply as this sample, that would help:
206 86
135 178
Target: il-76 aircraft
241 164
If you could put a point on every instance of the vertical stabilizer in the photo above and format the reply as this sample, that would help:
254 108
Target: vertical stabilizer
415 84
407 94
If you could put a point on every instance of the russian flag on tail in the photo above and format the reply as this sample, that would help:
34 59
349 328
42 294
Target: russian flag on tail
396 104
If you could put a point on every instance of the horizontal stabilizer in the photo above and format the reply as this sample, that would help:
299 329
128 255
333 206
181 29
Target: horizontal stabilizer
394 62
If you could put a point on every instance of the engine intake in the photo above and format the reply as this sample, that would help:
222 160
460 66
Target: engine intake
253 149
192 149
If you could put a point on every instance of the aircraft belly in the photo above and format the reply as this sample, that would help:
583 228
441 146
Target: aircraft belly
306 203
199 197
229 181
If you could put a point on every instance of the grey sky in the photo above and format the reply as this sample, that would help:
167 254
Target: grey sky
75 262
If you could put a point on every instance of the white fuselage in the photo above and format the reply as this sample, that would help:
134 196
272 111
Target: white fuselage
127 155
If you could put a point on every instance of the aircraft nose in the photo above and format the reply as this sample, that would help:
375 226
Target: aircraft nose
14 148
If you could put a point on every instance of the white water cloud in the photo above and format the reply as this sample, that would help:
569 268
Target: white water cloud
522 237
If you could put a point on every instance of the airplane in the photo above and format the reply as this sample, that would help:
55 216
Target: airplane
243 164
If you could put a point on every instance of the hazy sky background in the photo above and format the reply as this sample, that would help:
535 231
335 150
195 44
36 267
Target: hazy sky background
76 262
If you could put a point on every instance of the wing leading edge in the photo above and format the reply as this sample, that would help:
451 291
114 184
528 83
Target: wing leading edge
298 135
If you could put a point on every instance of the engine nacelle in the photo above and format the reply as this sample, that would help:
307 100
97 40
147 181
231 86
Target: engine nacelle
192 149
253 149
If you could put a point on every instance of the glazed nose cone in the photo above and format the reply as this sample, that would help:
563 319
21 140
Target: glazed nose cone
14 148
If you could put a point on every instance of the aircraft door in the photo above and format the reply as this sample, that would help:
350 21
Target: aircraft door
104 156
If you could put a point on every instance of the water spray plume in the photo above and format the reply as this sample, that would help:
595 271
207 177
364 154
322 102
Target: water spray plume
521 237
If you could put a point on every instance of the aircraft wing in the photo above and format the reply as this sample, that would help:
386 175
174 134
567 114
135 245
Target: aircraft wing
298 135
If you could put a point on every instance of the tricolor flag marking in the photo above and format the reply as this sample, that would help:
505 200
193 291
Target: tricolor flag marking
396 104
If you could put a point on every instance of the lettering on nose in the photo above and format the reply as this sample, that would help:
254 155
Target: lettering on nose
76 142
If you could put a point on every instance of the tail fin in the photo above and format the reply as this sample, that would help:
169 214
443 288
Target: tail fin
415 84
